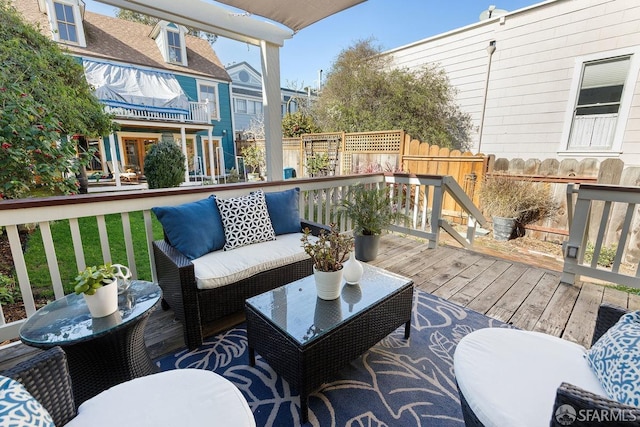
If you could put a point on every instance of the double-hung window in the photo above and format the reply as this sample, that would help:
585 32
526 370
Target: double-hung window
599 111
241 106
174 46
66 23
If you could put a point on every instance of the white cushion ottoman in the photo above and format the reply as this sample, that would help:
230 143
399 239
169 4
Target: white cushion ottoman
509 377
181 397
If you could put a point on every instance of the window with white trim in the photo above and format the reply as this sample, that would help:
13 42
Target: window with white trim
175 46
67 29
598 104
241 105
208 92
65 21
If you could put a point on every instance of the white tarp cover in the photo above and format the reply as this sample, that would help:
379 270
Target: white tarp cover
130 87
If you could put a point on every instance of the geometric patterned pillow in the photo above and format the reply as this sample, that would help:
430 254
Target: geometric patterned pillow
18 408
615 359
245 220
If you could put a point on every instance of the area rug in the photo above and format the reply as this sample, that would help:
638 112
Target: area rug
397 382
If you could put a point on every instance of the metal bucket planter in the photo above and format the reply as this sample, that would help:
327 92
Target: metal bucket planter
504 228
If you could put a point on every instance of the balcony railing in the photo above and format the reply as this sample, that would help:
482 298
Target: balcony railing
198 113
592 229
420 197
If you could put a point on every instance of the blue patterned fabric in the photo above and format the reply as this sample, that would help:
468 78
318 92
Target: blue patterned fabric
195 229
18 408
615 359
283 207
397 382
245 220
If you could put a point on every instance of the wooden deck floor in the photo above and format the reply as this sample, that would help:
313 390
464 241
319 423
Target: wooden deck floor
521 293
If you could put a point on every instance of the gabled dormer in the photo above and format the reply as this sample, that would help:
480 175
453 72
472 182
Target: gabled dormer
170 40
65 20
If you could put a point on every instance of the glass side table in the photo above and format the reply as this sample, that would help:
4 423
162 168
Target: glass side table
101 352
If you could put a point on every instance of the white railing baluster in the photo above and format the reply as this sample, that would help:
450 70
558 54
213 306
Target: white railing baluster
104 239
21 269
606 212
52 259
128 244
624 236
148 228
76 238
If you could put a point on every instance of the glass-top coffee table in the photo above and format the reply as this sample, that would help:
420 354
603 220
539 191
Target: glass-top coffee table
101 352
306 339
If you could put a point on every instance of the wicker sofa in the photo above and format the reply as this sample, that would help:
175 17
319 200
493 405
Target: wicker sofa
578 400
199 302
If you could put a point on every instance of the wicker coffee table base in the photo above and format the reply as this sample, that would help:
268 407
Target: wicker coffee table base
305 367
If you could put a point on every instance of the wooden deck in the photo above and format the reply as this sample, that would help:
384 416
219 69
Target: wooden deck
517 292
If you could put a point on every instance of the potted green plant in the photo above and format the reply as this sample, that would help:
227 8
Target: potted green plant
99 286
371 211
328 253
513 203
254 158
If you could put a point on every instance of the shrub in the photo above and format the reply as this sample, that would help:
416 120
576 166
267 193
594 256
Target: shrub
164 165
8 291
606 257
524 200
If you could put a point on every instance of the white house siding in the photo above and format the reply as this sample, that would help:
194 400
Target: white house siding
532 73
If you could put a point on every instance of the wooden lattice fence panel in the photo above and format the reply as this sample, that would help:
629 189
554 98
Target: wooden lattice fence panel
372 149
324 143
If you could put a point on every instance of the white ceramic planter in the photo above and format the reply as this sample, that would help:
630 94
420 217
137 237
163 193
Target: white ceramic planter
104 302
328 283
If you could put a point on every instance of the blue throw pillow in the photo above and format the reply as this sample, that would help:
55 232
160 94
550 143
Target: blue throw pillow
615 359
195 229
283 210
19 408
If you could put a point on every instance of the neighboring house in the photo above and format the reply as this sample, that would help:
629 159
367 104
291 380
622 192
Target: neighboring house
246 97
160 83
562 81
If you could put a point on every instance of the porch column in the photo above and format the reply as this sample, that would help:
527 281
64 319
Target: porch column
183 141
211 157
114 159
269 54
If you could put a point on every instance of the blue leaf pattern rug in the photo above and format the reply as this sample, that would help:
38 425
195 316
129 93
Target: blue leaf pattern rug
397 382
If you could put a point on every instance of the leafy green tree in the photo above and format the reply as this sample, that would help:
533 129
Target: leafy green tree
295 124
44 100
164 165
130 15
364 93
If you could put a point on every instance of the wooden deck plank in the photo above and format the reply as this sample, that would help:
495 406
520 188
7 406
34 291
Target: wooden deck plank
480 283
634 302
445 270
583 317
615 297
555 316
529 313
490 296
509 303
461 280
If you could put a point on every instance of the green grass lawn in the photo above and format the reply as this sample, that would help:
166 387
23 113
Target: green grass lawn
37 263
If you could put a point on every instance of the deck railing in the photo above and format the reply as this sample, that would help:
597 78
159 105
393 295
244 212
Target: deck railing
590 221
420 197
198 113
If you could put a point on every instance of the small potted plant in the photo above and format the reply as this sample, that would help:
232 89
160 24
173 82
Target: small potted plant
99 286
371 211
328 252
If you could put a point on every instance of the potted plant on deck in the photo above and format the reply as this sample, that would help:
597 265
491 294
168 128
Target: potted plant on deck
371 211
99 286
328 253
513 203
